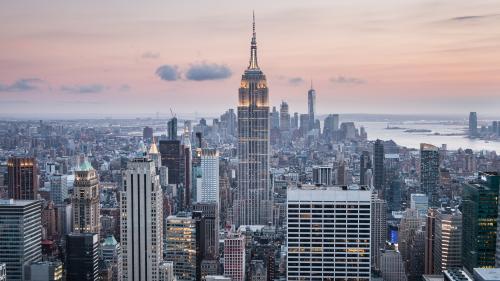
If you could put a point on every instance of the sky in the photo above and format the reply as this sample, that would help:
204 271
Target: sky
124 57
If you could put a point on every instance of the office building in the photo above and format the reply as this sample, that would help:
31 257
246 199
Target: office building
111 254
448 240
82 257
486 274
210 213
323 240
181 246
322 175
253 202
331 125
429 173
208 191
378 229
22 178
473 124
172 128
85 200
378 165
141 206
43 271
419 202
480 213
147 134
284 117
20 235
166 271
58 189
3 272
365 164
430 236
234 256
170 151
391 266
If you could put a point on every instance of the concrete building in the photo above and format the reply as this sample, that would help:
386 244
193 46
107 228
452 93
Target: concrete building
3 272
43 271
210 213
141 207
486 274
234 256
20 235
111 254
317 221
378 229
166 272
322 175
419 202
391 266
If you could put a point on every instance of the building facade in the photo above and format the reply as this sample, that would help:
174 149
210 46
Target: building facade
20 235
22 178
329 233
86 204
253 204
141 224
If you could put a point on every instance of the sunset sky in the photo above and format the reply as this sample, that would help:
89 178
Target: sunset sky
118 57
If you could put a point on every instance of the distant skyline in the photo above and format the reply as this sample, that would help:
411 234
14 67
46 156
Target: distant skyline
125 58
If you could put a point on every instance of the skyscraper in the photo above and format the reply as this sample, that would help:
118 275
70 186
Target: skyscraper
311 106
378 229
82 257
322 241
22 178
378 165
284 117
172 128
429 172
472 124
331 125
365 164
170 151
181 245
20 235
141 221
448 240
322 175
210 213
86 200
209 189
253 199
480 213
234 256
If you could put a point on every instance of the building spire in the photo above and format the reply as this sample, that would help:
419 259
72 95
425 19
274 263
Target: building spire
253 47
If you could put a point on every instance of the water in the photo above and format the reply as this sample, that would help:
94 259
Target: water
377 130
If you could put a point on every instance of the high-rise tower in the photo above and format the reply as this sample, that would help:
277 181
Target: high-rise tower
86 208
253 201
311 106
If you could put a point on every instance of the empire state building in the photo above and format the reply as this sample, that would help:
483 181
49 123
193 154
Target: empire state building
253 202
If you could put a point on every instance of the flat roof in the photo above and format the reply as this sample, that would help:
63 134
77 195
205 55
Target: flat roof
19 203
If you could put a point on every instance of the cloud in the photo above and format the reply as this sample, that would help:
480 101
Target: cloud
22 85
474 17
83 89
168 72
347 80
204 71
150 55
295 81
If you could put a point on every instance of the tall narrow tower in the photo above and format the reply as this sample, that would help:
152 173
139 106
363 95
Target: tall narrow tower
86 200
311 106
253 201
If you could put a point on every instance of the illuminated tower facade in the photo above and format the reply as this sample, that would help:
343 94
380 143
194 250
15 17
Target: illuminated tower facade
86 200
253 201
311 106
